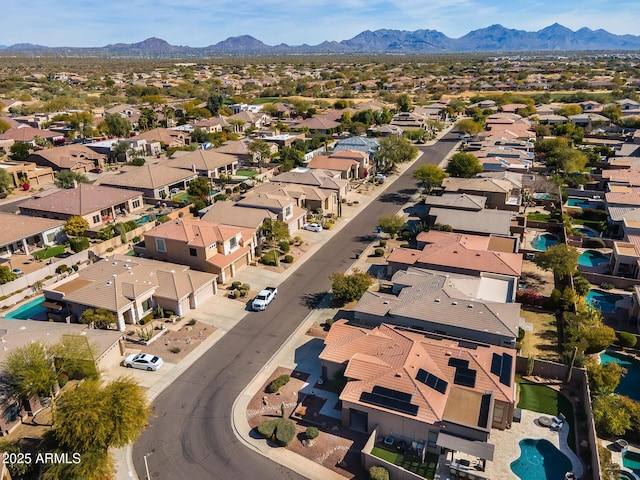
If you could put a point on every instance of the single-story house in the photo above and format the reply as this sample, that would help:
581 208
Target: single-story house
206 163
77 158
153 180
25 234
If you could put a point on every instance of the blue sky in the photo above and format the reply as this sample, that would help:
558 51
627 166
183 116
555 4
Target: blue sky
199 23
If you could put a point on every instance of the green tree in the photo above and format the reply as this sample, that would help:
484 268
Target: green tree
378 473
394 150
404 103
570 109
66 178
430 176
4 126
6 275
199 187
290 158
6 181
464 165
76 225
117 125
568 160
99 317
93 466
19 151
274 230
260 151
16 469
392 224
586 330
215 103
561 259
350 287
610 416
148 119
581 285
604 378
468 126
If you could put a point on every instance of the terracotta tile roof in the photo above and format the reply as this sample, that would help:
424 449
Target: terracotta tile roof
193 232
83 200
462 201
391 357
332 163
67 156
164 135
25 133
266 200
149 176
623 198
206 160
16 227
228 213
223 261
478 184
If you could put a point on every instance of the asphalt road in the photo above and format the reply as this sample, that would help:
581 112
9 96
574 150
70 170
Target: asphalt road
191 436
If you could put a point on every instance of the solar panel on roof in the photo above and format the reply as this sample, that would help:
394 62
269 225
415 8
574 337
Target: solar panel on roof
505 373
465 377
390 403
496 364
431 380
387 392
458 362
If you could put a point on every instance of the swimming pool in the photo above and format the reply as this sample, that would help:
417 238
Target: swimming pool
628 385
586 231
631 460
605 301
543 196
577 202
540 460
142 220
29 310
626 475
592 258
544 241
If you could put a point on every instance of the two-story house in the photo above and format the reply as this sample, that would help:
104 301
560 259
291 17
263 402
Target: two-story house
500 194
205 246
285 208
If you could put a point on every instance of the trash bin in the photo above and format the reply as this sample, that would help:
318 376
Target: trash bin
358 253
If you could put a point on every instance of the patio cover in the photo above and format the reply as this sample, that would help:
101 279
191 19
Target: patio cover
52 305
477 449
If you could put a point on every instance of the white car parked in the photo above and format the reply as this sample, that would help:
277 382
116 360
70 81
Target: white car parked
313 227
143 361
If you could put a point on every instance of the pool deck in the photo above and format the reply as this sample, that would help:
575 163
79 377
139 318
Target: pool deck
507 450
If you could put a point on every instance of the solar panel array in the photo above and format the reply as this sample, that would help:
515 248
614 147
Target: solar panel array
458 362
391 399
501 366
465 377
431 380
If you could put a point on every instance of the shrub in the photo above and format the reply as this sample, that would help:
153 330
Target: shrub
607 285
521 334
62 268
168 313
175 349
63 378
191 322
284 246
285 431
267 428
270 258
235 285
379 252
406 235
593 243
79 244
288 259
146 318
383 243
75 267
298 239
626 339
328 323
529 297
378 473
234 294
311 433
278 383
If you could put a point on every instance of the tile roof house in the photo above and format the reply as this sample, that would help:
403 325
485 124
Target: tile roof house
348 163
24 234
322 123
481 222
421 385
323 179
285 208
307 197
361 144
130 287
463 254
27 134
170 138
97 204
206 163
202 245
77 158
500 194
153 180
228 213
32 173
444 304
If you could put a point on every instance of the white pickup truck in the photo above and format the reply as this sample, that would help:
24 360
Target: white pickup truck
264 298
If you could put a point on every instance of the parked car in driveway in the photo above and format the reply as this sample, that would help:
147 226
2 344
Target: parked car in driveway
96 170
264 298
313 227
143 361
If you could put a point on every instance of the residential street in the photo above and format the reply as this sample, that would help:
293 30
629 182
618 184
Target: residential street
191 435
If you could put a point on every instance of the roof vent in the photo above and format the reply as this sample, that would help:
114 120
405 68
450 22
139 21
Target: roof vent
455 251
469 306
477 254
437 300
447 354
109 282
398 375
386 302
454 303
114 264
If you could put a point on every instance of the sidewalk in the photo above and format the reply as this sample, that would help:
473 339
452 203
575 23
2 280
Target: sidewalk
229 312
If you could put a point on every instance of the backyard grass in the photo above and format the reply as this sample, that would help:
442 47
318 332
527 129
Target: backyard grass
49 252
246 173
542 343
409 462
538 217
540 398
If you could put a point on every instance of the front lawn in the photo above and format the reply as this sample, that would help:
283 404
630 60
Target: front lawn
49 252
409 462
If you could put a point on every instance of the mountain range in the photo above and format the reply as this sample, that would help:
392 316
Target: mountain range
494 38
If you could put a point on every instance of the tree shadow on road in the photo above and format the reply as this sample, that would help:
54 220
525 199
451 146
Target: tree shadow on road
312 300
400 197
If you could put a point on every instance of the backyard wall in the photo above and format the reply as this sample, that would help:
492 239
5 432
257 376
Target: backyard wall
619 282
368 461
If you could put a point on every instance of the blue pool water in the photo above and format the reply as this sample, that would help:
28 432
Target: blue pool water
605 301
540 460
632 460
624 475
29 310
544 241
592 258
142 220
629 383
586 231
577 202
543 196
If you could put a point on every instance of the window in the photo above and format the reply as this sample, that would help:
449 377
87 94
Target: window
96 219
136 203
193 252
161 245
287 212
233 243
51 237
146 305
